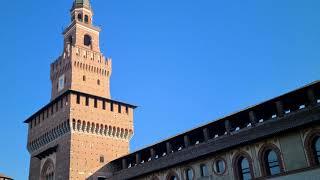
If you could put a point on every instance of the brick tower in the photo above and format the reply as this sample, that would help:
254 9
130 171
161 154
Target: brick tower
81 128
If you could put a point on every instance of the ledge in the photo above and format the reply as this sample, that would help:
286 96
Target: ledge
47 152
75 92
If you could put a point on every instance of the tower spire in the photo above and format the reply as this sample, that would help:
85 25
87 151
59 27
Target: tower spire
81 4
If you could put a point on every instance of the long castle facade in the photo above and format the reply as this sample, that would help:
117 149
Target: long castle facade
82 134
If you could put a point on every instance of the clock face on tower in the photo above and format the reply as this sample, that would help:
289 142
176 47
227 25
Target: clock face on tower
61 82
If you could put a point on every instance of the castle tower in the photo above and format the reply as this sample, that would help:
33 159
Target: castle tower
81 128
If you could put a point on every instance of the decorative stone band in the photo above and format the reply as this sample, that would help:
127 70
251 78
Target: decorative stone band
101 129
49 136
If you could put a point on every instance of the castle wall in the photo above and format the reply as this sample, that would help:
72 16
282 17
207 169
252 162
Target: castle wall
99 134
293 155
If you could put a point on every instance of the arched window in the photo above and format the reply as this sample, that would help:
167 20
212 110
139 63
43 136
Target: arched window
80 17
47 172
244 169
87 40
189 174
316 147
204 170
270 160
98 81
242 165
86 18
272 163
172 176
312 146
219 166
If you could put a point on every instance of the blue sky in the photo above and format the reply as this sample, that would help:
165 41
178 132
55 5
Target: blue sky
183 62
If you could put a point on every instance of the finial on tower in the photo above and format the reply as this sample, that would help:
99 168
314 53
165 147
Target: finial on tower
81 4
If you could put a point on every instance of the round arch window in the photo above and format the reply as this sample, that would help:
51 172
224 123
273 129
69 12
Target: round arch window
86 19
47 171
80 17
172 176
189 174
316 149
219 166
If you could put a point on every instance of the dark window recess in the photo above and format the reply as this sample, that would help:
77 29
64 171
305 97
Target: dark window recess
101 159
78 99
86 19
87 40
111 106
70 40
245 171
127 109
102 178
57 106
84 78
119 108
95 103
189 174
98 81
271 160
220 166
87 101
47 113
51 109
80 17
204 170
173 178
103 104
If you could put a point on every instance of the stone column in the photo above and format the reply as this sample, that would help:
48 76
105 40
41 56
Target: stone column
227 126
138 158
280 110
152 153
168 147
186 141
253 118
311 97
206 134
124 163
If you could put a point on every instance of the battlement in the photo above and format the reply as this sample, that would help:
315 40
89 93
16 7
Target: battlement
54 105
98 63
262 120
46 117
83 70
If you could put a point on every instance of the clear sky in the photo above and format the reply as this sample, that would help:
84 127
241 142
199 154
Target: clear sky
183 62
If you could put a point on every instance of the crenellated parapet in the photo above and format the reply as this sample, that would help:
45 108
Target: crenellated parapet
286 112
47 137
102 130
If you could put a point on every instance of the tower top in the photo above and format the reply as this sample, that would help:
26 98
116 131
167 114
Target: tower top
81 4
